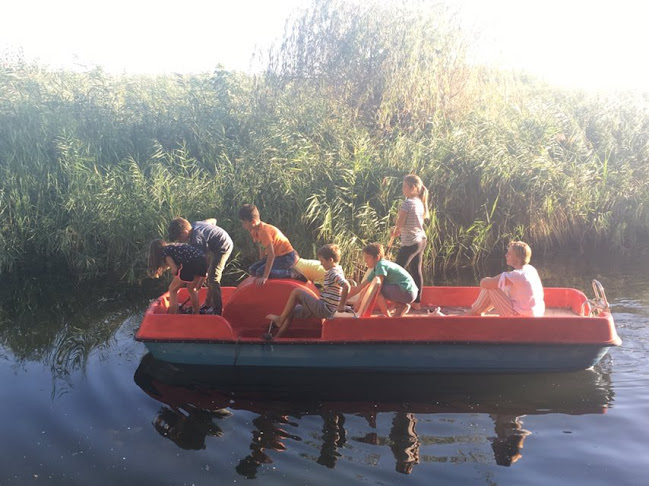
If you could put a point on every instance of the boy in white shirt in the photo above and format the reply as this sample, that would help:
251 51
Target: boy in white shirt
515 293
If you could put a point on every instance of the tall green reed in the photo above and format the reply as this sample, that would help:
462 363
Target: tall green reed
93 166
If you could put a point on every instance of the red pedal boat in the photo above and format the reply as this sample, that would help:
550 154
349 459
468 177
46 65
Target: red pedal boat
574 334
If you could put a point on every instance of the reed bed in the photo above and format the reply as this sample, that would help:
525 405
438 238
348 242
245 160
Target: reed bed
93 166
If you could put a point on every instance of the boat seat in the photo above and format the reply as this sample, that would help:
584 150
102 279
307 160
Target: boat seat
369 298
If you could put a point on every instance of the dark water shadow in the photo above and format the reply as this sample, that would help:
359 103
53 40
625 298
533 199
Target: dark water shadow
282 398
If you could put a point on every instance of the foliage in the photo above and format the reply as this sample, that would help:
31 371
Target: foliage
93 166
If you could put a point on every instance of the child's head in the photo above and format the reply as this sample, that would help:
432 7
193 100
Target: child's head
372 253
155 258
414 187
179 230
249 216
521 251
329 255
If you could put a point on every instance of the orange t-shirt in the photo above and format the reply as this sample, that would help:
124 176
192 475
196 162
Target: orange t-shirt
267 235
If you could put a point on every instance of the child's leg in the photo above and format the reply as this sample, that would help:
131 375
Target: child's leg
383 305
288 308
286 324
175 284
214 283
481 304
411 258
192 288
501 302
282 266
257 268
358 298
490 298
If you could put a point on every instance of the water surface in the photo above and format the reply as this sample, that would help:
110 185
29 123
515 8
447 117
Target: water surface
84 403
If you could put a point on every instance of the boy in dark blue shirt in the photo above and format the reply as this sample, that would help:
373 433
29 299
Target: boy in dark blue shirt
217 245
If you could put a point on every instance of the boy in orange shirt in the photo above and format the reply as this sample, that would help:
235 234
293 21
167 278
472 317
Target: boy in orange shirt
279 253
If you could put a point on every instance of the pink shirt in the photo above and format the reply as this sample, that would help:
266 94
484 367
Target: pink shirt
525 291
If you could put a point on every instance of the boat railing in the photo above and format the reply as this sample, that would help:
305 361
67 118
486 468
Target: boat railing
598 305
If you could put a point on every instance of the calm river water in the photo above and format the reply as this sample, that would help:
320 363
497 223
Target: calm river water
82 403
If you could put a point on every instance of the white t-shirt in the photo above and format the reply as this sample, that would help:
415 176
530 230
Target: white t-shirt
525 291
412 231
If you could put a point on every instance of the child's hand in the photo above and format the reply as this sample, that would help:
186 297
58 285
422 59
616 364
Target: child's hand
261 281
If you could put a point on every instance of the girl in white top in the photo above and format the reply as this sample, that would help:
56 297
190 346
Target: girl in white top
410 227
515 293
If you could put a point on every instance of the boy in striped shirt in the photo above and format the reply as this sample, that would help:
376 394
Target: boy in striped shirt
302 304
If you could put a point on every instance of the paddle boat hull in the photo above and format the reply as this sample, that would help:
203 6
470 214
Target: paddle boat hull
567 338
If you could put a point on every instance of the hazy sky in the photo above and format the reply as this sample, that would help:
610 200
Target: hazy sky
579 43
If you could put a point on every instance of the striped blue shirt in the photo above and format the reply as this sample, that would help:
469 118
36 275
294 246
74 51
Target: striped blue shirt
333 287
412 231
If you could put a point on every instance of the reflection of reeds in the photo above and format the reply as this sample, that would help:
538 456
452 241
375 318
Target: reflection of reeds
93 166
61 327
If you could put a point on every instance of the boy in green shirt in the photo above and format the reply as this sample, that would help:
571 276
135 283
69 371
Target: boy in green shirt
396 283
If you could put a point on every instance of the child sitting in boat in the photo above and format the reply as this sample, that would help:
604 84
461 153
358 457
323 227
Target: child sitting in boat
188 264
396 283
276 253
515 293
302 304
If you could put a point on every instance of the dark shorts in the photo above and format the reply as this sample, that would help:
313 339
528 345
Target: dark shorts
188 271
309 306
397 294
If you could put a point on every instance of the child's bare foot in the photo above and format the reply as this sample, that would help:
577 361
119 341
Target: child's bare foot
416 306
274 319
401 310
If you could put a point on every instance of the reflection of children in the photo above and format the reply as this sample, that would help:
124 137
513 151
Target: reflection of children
396 284
188 265
410 226
215 243
280 255
302 304
404 442
188 430
509 439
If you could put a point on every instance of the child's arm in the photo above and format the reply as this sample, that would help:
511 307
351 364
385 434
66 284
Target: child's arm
343 296
401 219
492 282
356 290
270 258
172 265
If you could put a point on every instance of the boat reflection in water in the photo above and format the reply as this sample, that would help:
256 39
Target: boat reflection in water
195 398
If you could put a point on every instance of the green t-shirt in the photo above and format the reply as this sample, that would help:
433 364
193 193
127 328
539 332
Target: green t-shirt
394 274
